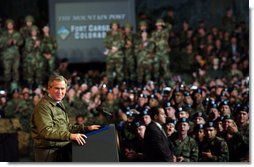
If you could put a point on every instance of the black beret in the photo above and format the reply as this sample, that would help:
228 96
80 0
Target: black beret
138 124
198 90
210 124
145 111
167 105
182 120
199 114
198 127
170 120
228 116
242 107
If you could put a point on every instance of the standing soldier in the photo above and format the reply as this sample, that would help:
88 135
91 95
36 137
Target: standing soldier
228 21
48 49
160 38
145 56
26 29
114 42
33 60
10 41
129 59
143 26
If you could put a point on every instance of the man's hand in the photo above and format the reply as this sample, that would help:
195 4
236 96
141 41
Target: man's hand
207 154
179 159
232 129
80 138
93 127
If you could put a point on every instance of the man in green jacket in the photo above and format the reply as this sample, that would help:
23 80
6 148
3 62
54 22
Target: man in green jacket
51 131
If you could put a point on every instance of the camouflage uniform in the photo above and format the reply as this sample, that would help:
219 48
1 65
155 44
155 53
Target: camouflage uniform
33 62
161 62
25 31
129 59
187 148
114 42
76 107
218 148
10 42
48 47
228 23
144 51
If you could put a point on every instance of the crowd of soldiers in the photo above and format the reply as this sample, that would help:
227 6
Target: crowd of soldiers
200 77
27 55
160 50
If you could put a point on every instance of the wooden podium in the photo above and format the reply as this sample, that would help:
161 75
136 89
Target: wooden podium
101 146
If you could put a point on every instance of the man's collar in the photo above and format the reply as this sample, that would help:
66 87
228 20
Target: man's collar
51 100
159 125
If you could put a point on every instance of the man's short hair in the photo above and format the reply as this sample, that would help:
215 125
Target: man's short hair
56 77
154 111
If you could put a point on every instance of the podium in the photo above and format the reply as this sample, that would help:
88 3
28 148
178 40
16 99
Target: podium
9 149
101 146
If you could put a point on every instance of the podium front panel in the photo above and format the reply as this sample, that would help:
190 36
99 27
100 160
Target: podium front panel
101 146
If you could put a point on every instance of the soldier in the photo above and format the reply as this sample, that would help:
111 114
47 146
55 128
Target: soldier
170 17
33 62
225 108
63 68
129 59
199 136
143 26
238 145
114 43
170 111
228 21
186 148
145 57
133 149
198 99
242 121
145 115
215 149
10 41
178 98
25 31
48 48
199 118
161 62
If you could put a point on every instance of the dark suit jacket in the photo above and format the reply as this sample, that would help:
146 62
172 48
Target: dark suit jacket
156 145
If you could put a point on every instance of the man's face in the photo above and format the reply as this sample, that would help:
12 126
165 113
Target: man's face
161 117
80 120
227 123
199 120
183 127
29 23
225 110
243 117
10 26
200 134
210 133
170 112
147 119
170 128
198 98
141 131
57 90
179 97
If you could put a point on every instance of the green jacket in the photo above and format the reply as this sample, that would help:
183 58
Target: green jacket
50 124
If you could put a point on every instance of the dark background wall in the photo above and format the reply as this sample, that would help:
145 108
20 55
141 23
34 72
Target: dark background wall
193 10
